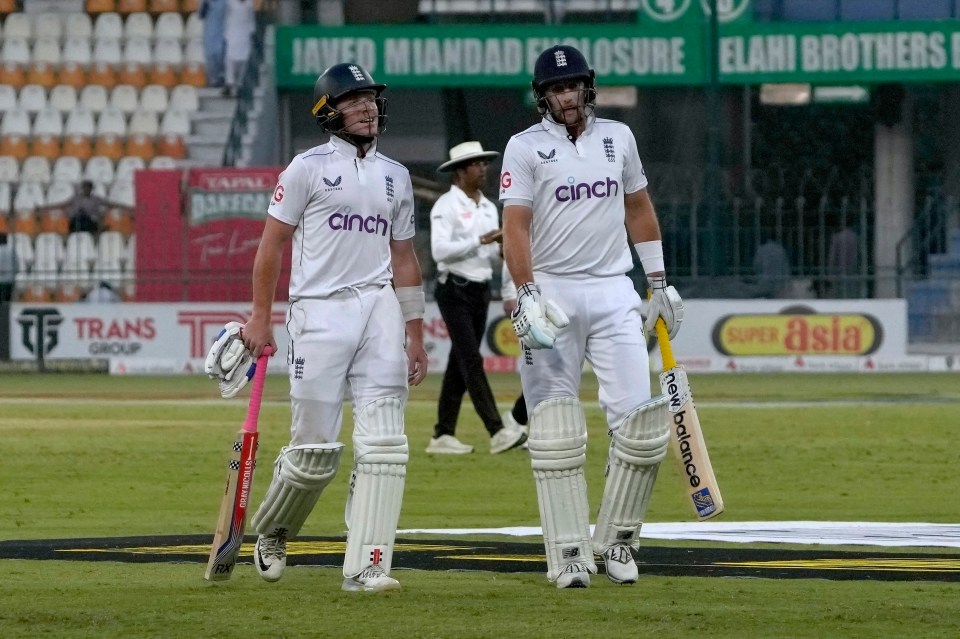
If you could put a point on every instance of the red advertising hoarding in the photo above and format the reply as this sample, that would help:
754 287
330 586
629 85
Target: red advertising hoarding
197 233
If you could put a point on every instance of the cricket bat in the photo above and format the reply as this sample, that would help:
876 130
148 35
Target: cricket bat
236 497
686 436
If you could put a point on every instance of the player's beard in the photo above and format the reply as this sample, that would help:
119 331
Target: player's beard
559 113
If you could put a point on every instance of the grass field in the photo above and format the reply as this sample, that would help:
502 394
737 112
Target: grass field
97 456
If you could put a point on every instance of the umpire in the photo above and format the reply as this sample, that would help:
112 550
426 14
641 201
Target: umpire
464 236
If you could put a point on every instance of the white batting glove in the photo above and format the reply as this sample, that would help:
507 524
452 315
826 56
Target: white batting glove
536 321
664 302
229 362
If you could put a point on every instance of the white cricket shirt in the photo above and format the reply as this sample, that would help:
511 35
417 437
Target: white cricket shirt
456 223
575 191
346 211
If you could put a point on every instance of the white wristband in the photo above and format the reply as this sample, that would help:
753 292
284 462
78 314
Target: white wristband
412 303
651 256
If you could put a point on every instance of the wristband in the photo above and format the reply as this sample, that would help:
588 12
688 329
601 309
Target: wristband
412 303
651 256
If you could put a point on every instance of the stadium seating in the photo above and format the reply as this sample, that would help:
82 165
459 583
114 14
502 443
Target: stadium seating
63 97
94 95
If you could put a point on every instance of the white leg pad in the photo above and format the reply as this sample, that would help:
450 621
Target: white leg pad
376 487
299 476
558 452
636 450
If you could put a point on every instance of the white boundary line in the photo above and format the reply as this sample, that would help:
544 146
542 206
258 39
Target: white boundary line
833 533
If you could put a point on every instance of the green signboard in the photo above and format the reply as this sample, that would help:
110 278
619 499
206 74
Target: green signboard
840 52
623 54
419 56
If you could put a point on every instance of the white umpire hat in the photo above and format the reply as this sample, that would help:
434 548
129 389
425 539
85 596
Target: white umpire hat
467 152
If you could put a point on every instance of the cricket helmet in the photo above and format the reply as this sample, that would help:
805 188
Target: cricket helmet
338 81
562 63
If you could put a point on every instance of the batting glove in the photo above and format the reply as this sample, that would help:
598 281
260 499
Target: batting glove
664 302
535 321
229 361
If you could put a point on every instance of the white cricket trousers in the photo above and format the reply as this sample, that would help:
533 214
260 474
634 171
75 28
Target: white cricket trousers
606 328
356 336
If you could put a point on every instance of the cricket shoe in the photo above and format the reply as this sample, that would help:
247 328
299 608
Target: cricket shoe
371 579
507 438
448 445
270 555
575 575
621 568
510 422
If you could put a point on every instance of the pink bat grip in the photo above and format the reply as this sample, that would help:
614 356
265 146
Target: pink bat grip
256 392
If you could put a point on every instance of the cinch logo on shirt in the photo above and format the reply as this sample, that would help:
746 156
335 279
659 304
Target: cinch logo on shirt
578 191
357 222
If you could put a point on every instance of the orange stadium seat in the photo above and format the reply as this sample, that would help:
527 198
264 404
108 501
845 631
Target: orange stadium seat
35 293
8 6
131 6
107 55
76 57
160 6
25 222
53 221
79 132
101 6
46 132
15 54
45 59
15 134
141 146
190 6
137 57
111 130
167 60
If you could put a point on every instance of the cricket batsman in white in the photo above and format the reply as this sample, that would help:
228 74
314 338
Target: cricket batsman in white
574 194
355 317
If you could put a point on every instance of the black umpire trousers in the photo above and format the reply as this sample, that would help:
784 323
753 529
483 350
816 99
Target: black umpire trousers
463 305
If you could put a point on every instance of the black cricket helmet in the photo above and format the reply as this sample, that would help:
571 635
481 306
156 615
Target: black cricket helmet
562 63
336 82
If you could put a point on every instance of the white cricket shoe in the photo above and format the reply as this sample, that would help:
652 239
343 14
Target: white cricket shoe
270 555
506 438
574 575
621 568
510 422
371 579
448 445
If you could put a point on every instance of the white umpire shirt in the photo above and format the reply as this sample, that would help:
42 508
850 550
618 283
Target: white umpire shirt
456 223
575 191
346 211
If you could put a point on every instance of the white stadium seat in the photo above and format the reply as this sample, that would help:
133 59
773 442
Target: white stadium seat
94 97
185 98
32 98
63 98
67 169
36 169
125 98
108 25
154 99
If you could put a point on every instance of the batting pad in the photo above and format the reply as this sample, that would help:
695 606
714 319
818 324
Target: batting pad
558 452
636 450
299 476
376 486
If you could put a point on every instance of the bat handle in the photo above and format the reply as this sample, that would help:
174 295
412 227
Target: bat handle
666 352
663 338
256 392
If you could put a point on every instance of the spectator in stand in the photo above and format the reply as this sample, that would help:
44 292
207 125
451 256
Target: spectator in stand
213 14
843 262
103 293
86 210
8 269
240 24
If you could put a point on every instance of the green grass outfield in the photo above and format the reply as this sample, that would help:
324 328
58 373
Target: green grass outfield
98 456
